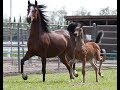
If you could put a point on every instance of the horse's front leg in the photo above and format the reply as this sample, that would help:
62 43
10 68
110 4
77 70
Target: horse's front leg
26 57
83 69
43 68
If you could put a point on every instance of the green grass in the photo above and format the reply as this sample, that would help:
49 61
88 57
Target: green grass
61 81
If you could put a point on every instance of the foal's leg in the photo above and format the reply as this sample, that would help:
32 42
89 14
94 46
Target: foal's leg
83 69
95 68
66 63
99 72
26 57
100 59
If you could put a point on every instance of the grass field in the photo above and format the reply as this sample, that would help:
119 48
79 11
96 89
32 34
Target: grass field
61 81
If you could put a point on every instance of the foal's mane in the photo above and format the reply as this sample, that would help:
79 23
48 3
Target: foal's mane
44 20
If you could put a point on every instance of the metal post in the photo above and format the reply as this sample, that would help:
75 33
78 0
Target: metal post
94 31
58 63
18 48
22 41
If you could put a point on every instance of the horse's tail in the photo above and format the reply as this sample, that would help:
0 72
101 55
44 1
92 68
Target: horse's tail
99 37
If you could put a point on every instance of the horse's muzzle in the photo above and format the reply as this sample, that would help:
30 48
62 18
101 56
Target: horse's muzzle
28 20
75 34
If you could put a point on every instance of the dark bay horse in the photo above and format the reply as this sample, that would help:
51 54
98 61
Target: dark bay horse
71 29
45 43
87 52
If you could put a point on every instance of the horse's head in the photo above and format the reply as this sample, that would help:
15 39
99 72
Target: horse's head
71 27
79 31
32 12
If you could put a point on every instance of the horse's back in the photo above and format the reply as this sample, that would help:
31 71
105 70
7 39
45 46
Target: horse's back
93 45
57 44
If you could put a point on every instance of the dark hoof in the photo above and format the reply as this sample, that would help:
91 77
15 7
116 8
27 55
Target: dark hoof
102 76
76 75
24 76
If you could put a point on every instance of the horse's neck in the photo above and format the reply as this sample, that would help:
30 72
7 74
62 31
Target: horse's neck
80 42
36 29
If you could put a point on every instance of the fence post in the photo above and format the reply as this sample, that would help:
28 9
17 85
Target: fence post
22 42
94 31
58 63
18 48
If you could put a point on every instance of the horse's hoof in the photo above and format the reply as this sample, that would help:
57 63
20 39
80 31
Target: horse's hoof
72 80
75 73
102 76
24 76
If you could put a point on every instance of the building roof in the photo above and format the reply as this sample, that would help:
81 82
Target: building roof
87 18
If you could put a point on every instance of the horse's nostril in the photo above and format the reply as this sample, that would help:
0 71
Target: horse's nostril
75 34
28 20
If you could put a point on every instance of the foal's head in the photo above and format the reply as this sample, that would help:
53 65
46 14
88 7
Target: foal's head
79 32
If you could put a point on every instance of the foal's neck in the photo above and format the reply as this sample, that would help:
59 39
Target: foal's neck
80 41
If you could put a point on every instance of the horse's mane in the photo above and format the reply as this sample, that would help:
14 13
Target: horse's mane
43 17
71 27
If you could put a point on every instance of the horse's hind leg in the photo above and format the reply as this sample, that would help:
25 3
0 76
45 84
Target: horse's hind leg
43 67
95 68
74 71
26 57
100 59
99 72
73 66
66 63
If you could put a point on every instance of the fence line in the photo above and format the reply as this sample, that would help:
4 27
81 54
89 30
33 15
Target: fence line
20 39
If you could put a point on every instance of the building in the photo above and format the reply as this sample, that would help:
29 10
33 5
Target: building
106 23
89 20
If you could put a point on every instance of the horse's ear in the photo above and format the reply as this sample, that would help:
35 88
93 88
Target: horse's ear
79 25
28 2
35 3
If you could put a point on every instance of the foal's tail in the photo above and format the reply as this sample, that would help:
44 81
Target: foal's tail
99 37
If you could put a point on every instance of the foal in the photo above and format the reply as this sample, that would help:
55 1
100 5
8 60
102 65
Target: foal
87 52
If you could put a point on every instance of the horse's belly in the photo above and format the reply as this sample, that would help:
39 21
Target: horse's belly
55 51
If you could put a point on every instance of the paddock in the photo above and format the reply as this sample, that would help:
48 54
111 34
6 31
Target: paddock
14 47
15 37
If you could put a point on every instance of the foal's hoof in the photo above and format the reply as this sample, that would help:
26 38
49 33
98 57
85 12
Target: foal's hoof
24 76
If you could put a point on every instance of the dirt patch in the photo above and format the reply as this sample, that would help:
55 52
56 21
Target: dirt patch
35 66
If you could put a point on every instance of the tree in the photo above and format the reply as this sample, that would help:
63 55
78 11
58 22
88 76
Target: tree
82 11
57 16
61 13
108 11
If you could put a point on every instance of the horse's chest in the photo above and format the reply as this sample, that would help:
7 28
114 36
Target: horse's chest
35 46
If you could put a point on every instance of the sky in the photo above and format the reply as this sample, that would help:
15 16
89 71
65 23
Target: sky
19 7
